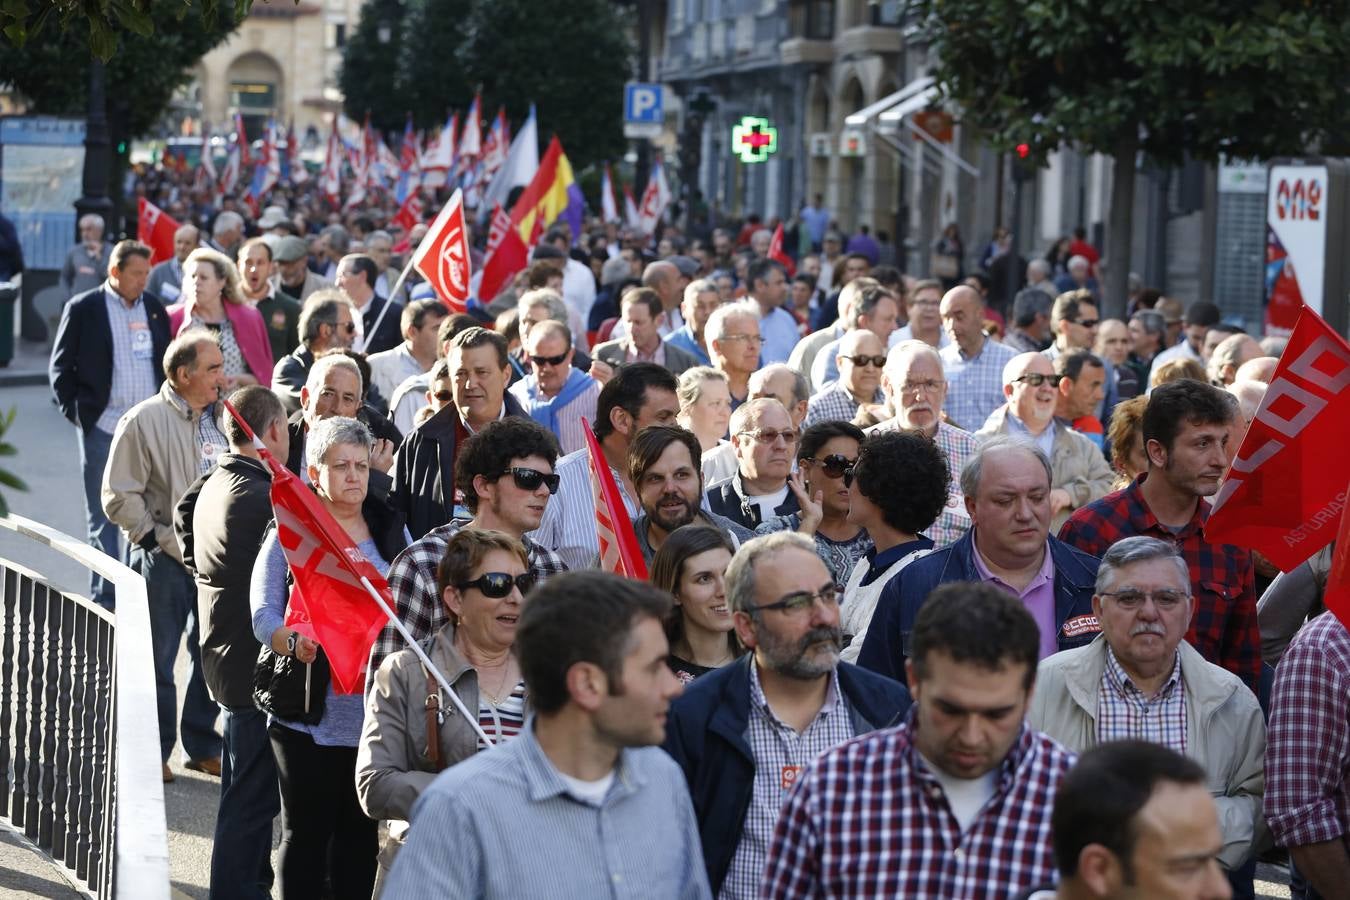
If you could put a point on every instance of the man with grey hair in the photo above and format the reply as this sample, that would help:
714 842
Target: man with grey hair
536 306
1038 278
87 262
743 733
1079 277
765 442
733 343
786 385
701 298
1006 484
1030 326
327 322
160 447
1231 354
916 391
1141 680
334 388
227 233
166 278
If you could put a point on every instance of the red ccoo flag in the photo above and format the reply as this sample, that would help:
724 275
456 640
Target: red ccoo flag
328 602
1336 597
506 255
1280 496
619 550
155 228
443 255
776 251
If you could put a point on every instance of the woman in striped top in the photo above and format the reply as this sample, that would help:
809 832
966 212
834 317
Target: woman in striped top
483 578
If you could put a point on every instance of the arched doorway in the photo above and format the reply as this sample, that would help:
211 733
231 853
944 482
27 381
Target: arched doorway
255 90
849 178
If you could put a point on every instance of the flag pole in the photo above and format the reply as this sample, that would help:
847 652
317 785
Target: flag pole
388 301
426 661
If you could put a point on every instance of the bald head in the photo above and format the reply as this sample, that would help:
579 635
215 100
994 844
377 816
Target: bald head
1230 354
185 240
1025 364
861 342
1261 369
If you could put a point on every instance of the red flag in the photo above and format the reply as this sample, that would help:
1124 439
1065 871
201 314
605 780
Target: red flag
498 224
328 602
155 228
410 213
776 251
1336 597
443 255
619 550
506 259
1281 496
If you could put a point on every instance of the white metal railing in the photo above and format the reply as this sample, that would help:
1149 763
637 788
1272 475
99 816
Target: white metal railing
78 779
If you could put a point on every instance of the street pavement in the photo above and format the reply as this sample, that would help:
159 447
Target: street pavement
48 460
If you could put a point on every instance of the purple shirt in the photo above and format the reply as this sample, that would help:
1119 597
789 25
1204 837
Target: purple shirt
1038 597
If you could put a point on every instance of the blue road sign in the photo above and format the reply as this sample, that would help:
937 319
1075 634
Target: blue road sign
642 104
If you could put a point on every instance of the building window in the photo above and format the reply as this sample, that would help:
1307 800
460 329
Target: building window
339 34
812 19
886 12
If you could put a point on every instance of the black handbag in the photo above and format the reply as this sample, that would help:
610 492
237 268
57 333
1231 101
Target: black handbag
287 689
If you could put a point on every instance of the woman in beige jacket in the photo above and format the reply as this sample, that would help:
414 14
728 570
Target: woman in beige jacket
483 578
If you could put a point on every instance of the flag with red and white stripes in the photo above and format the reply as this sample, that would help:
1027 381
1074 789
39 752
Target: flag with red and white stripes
619 550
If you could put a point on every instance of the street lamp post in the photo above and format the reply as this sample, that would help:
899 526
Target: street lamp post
97 157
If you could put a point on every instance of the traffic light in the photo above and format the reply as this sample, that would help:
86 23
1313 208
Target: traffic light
1024 169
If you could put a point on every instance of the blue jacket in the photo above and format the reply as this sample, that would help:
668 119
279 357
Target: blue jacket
887 644
707 734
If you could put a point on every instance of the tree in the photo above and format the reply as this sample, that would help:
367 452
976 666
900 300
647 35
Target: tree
22 21
432 76
53 72
1122 76
572 66
370 58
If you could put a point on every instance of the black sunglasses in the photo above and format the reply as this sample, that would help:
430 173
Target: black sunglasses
1035 379
530 479
444 396
551 360
878 361
496 585
349 326
836 465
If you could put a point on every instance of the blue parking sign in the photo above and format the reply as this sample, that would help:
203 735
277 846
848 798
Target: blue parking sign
642 104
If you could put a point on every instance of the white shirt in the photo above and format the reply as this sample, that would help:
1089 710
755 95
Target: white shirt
965 796
1179 351
390 368
408 399
906 333
767 503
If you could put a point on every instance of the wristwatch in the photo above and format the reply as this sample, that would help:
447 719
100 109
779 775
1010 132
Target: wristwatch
291 640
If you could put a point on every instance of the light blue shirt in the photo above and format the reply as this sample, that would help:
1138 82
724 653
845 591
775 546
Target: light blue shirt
1045 440
780 334
685 340
974 383
504 825
134 363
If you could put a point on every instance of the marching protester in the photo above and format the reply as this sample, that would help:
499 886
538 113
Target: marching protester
691 566
765 442
705 409
280 312
556 394
326 323
325 835
212 299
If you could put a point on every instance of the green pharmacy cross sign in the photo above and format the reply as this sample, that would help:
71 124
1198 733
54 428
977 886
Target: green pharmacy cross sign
753 139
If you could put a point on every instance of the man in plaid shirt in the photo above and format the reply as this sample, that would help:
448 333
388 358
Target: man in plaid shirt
963 810
492 471
861 356
1185 430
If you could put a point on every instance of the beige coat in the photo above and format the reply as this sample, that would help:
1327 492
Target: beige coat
1076 465
1225 732
151 464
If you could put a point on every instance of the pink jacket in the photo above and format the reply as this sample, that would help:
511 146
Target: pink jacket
250 332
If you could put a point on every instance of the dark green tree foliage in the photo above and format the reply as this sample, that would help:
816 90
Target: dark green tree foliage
370 61
101 21
432 77
1169 77
571 61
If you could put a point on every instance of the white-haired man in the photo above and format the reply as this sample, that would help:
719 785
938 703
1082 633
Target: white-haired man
166 278
733 343
86 263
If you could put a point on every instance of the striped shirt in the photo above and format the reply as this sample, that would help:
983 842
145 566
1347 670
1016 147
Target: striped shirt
568 526
781 754
974 383
1124 712
501 721
134 363
953 522
504 825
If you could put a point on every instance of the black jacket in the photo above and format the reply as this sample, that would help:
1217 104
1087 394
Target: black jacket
80 370
389 335
380 482
220 524
706 734
289 374
724 500
424 474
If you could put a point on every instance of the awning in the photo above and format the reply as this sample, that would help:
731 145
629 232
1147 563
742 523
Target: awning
865 115
910 105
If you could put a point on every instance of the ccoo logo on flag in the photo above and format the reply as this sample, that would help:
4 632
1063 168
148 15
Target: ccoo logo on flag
454 270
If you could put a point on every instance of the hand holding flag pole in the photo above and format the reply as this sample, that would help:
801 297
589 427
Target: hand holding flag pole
341 570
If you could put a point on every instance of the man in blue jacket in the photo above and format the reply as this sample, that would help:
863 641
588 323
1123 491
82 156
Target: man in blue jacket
744 733
1007 489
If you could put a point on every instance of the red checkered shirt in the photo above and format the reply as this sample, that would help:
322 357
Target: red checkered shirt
1308 755
868 819
1223 626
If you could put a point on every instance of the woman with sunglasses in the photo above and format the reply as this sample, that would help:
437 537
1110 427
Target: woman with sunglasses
213 298
690 566
825 455
324 833
483 579
705 409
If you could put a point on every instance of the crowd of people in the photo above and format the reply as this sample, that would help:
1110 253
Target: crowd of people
931 610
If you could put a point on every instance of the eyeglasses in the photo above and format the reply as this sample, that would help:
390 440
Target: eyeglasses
443 396
496 585
797 603
877 361
1088 323
748 338
349 327
835 465
768 435
530 479
931 386
1165 601
1035 379
550 360
926 302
